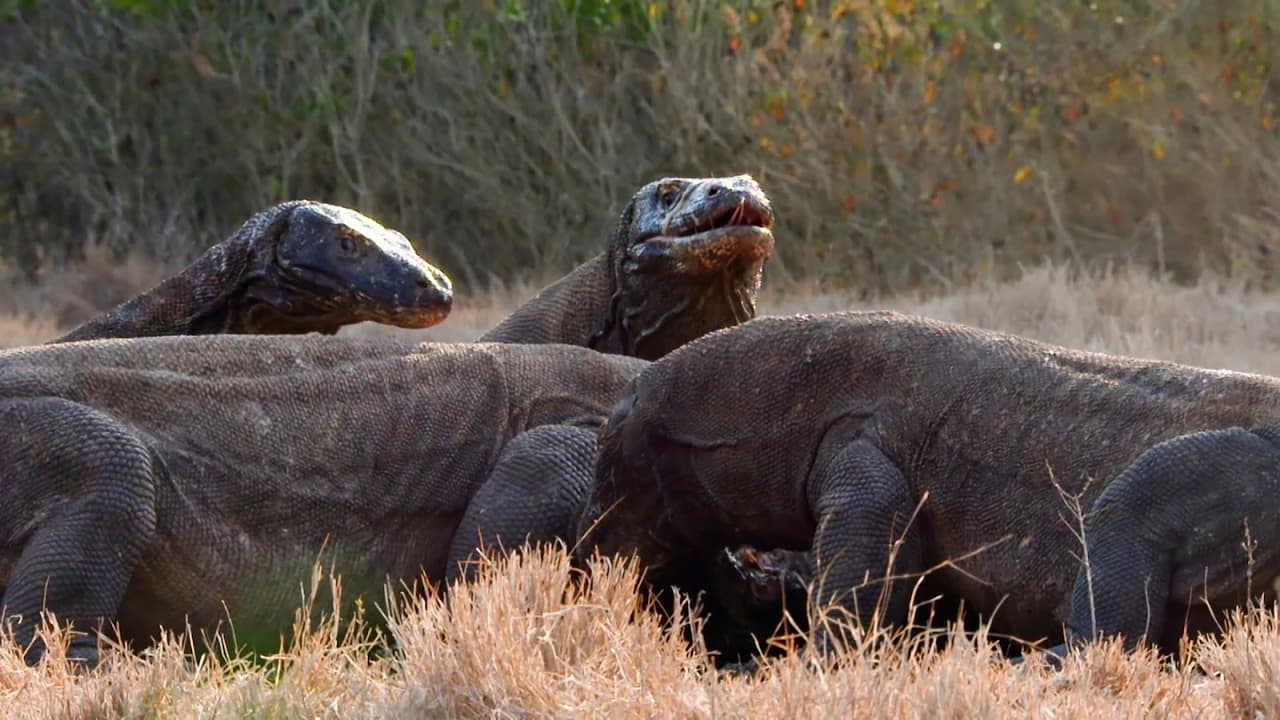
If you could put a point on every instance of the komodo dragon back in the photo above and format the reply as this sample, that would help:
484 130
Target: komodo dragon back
159 481
685 259
296 267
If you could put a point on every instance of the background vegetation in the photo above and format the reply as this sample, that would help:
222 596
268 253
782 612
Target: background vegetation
906 144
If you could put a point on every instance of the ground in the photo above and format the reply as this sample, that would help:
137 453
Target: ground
517 645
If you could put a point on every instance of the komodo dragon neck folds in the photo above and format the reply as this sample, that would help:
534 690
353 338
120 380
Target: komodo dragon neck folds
296 267
893 445
120 508
685 259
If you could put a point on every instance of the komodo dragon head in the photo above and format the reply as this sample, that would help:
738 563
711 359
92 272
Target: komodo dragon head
321 266
685 260
296 267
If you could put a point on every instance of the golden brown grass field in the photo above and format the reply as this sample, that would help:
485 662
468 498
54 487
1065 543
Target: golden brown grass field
524 643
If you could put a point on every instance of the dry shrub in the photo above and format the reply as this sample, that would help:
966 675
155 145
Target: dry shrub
527 638
1246 662
322 670
19 328
74 294
905 144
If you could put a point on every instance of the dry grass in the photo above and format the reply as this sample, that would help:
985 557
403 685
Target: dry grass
525 642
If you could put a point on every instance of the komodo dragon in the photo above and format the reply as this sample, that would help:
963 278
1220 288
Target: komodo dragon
277 440
685 259
833 431
156 481
296 267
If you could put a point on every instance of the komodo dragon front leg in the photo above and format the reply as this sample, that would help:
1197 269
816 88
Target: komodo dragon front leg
862 505
1182 530
864 539
534 494
73 529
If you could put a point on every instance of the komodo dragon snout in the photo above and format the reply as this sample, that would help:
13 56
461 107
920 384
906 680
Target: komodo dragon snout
335 267
693 259
698 224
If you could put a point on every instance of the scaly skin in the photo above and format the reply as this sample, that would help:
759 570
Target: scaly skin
160 480
296 267
835 431
205 486
686 259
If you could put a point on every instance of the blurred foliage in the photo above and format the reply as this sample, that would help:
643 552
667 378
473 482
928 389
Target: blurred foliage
905 144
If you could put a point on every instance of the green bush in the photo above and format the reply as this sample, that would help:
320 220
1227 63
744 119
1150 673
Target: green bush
904 143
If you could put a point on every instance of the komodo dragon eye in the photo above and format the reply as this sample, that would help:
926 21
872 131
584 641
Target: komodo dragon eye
667 196
348 243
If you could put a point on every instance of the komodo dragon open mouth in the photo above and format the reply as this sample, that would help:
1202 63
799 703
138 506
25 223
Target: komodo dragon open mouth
691 263
713 229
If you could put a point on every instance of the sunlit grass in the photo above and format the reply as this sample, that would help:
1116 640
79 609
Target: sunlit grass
529 639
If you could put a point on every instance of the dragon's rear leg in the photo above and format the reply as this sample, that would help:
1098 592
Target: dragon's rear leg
78 510
1183 532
